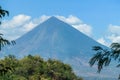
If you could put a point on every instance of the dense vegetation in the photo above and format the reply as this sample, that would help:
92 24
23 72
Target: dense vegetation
34 68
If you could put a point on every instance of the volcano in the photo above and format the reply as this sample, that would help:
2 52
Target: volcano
58 40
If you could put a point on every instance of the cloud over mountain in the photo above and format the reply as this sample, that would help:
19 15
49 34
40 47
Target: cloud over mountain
23 23
58 40
77 23
114 33
103 41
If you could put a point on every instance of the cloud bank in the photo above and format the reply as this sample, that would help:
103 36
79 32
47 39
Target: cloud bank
21 24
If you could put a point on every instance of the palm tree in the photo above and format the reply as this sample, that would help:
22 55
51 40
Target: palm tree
3 13
103 56
3 41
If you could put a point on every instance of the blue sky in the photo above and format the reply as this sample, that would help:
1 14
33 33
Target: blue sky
101 18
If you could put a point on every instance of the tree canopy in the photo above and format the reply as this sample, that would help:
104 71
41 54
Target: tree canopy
35 68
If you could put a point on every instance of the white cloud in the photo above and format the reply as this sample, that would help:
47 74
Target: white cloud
114 33
73 20
112 36
77 23
12 28
34 22
114 29
16 21
21 24
28 26
42 18
84 28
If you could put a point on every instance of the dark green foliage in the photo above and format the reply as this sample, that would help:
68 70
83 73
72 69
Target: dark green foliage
35 68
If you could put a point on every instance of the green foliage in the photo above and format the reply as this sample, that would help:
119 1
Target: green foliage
35 68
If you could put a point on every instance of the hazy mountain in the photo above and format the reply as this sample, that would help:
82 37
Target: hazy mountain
57 39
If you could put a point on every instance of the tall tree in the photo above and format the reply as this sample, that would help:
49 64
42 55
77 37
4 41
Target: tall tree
103 57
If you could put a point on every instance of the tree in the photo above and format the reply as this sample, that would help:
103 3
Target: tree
103 57
3 13
35 68
3 41
4 69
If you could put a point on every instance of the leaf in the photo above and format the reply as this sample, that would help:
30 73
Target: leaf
95 58
118 65
107 61
115 45
96 48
